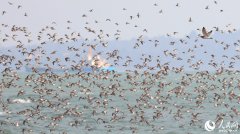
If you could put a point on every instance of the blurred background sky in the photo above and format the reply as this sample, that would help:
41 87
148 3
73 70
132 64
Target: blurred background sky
173 18
158 17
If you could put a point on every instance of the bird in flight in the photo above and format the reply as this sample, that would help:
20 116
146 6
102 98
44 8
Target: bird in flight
205 33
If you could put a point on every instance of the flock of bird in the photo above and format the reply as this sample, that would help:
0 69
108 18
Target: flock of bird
150 98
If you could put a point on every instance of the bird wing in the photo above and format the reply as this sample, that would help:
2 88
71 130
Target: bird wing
204 31
209 32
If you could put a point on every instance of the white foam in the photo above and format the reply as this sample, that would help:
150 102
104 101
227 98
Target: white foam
21 101
2 113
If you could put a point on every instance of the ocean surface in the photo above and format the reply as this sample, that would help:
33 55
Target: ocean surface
121 103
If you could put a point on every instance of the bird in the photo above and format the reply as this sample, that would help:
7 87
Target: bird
206 34
190 19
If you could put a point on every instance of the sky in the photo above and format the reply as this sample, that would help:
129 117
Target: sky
158 18
172 19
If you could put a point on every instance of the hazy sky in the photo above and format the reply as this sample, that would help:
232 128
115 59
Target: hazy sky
173 18
158 17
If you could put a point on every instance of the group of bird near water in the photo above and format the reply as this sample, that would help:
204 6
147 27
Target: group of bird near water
156 98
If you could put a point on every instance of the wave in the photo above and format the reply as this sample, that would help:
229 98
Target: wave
21 101
3 113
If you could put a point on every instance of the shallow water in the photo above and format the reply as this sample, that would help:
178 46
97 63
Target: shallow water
81 120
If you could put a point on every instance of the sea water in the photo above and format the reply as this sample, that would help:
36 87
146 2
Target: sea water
42 122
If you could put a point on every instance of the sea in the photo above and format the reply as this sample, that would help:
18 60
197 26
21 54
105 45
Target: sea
120 103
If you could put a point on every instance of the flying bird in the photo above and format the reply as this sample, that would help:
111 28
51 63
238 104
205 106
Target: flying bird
206 34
